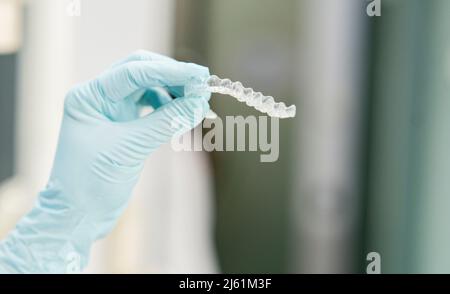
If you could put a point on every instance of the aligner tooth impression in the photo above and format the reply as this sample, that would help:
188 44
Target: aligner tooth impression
265 104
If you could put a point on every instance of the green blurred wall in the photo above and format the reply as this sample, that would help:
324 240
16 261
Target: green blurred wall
247 37
410 168
431 235
7 98
251 41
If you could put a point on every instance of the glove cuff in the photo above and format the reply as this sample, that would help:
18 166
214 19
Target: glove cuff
49 239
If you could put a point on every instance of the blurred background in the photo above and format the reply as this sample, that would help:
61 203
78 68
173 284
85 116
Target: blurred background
363 167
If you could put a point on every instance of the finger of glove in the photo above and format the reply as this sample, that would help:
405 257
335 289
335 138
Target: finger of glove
174 118
125 79
142 55
155 97
148 133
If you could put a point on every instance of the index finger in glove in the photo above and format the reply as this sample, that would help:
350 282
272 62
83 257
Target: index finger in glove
127 78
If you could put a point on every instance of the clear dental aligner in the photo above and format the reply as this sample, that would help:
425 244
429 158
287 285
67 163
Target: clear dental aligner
265 104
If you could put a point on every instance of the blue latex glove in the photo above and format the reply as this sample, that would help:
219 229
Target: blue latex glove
101 151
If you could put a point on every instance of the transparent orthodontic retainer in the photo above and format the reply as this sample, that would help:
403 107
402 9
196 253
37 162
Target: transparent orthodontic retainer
264 104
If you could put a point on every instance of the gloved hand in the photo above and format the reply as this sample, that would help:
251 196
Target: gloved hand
102 147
